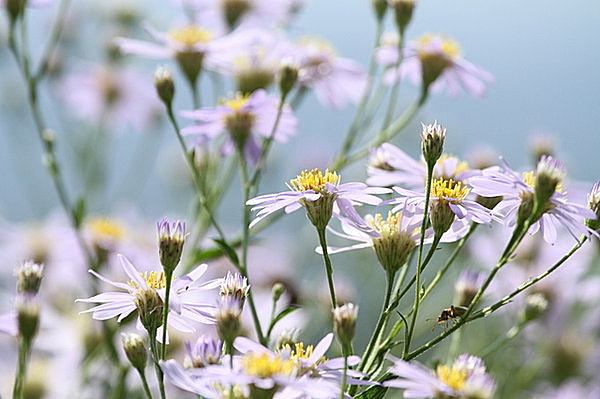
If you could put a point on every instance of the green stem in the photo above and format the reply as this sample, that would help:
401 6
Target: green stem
168 278
55 36
430 167
145 383
506 338
396 87
366 361
328 267
344 375
155 357
20 375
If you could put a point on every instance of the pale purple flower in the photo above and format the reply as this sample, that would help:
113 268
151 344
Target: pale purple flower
505 182
310 186
258 368
251 13
465 378
445 192
571 389
203 352
255 114
389 166
184 309
457 73
334 80
116 96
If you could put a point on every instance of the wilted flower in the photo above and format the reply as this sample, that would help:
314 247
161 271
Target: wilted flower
466 378
321 194
183 309
29 277
436 61
243 117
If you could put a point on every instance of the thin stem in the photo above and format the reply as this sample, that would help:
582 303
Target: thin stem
21 372
145 383
344 375
55 36
506 338
365 363
155 356
328 267
396 87
419 258
168 278
353 130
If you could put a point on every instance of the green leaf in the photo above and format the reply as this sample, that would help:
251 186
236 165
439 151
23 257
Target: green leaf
79 210
227 250
280 316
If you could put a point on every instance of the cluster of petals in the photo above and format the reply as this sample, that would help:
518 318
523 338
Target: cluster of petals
458 74
262 109
465 378
184 307
310 376
504 181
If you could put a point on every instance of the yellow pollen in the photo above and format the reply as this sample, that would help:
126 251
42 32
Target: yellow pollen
452 376
314 180
106 228
449 47
461 166
190 35
448 188
264 366
237 102
529 179
154 280
387 228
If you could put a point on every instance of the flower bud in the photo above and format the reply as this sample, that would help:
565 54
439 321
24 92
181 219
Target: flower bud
466 287
29 277
135 350
344 322
535 306
548 175
170 243
163 82
277 291
228 316
432 142
541 145
28 317
250 80
394 245
403 11
205 352
235 285
593 203
288 76
380 7
15 9
150 308
525 209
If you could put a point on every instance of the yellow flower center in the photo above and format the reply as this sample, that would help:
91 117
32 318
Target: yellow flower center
106 228
454 377
238 102
154 280
461 166
387 228
448 47
314 180
264 366
448 188
529 179
190 35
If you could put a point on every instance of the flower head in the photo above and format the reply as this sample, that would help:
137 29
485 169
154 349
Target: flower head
171 238
321 194
29 277
242 116
466 378
518 193
434 61
432 142
203 352
593 203
145 292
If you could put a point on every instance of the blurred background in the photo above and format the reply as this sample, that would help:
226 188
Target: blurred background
542 54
